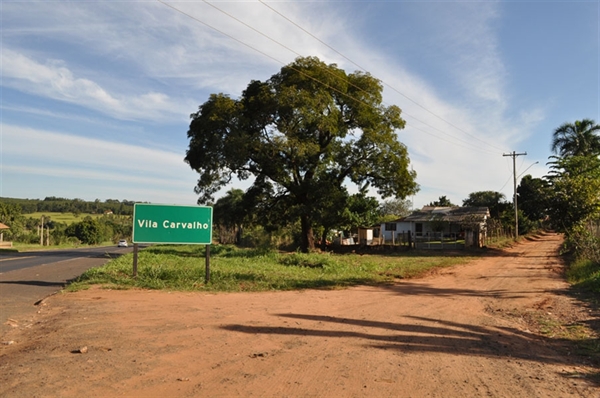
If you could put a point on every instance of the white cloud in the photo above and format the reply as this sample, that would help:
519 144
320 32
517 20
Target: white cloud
98 175
457 161
163 58
55 81
94 164
86 152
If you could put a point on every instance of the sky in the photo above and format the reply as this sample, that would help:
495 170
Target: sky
96 96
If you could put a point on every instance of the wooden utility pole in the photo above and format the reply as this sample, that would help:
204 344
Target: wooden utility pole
514 156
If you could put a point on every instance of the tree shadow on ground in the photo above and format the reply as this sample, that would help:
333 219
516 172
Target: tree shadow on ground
35 283
427 335
407 288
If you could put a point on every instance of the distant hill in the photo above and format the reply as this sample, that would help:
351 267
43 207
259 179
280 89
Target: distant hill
63 205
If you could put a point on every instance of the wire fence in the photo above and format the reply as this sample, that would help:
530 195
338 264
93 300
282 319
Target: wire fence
496 232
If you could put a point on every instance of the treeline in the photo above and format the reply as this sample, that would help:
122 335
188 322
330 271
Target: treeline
566 200
108 226
76 206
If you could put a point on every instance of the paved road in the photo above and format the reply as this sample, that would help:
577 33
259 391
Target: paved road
26 278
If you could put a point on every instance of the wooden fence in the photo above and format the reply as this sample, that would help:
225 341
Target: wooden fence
438 240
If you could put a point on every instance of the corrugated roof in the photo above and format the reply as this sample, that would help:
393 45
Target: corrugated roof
450 214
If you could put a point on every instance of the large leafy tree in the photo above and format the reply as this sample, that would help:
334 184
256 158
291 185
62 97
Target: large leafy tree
302 134
581 138
9 213
575 185
394 209
533 194
494 201
443 201
229 214
361 211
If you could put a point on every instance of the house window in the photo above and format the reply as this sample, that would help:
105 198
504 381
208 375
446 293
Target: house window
419 229
390 226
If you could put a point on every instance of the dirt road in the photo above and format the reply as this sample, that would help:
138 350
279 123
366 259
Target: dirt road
461 333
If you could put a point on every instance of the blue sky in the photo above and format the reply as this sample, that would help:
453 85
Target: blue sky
96 96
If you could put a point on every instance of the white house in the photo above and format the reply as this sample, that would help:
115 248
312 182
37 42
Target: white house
432 220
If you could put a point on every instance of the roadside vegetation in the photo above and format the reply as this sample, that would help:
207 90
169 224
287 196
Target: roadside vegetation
58 222
64 218
583 245
235 270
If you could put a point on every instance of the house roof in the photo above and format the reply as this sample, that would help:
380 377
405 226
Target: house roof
4 226
450 214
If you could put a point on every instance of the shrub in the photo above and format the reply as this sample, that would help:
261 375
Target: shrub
583 243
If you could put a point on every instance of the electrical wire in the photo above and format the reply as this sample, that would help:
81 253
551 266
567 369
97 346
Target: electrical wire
311 77
385 83
346 81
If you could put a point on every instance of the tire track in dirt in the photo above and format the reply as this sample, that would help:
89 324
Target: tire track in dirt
459 333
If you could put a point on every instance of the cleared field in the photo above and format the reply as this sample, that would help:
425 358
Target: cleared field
68 218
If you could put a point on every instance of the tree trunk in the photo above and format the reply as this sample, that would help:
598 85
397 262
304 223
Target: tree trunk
324 240
308 239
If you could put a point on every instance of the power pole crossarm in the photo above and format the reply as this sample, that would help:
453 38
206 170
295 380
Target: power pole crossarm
514 156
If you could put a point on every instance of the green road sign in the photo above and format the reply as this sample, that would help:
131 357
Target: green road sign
172 224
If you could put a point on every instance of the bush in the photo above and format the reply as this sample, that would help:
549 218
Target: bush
31 238
583 243
585 274
90 231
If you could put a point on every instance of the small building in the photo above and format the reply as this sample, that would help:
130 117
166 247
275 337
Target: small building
437 223
369 235
2 242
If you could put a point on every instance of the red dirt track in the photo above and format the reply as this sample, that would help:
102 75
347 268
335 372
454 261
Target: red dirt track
463 332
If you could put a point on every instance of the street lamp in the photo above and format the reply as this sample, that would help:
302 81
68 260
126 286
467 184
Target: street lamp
519 176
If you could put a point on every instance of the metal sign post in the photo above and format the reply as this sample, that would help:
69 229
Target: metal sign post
207 277
135 259
172 224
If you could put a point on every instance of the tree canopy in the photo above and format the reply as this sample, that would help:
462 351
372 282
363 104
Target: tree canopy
393 209
581 138
229 215
442 201
533 197
575 185
302 135
494 201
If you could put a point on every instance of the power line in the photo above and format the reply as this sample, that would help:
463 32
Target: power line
453 143
313 78
385 83
514 157
262 52
346 81
507 180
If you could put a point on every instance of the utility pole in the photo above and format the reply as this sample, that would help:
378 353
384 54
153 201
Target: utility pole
514 156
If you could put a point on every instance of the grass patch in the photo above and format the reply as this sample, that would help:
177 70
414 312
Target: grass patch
585 274
182 267
68 218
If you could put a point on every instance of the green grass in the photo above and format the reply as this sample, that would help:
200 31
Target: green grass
68 218
182 268
585 274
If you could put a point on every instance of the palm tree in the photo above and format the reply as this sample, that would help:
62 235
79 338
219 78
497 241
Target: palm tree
577 139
